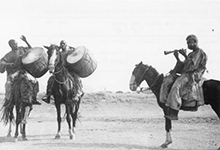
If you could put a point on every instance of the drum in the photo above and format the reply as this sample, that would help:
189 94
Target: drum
80 62
35 62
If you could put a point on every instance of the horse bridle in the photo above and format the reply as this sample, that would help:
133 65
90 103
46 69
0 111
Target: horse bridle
141 79
154 82
54 73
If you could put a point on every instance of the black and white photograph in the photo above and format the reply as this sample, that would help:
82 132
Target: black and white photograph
110 75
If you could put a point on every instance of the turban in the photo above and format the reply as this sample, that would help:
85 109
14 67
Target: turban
62 42
11 42
192 37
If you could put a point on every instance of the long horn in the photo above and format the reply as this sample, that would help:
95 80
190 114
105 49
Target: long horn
168 52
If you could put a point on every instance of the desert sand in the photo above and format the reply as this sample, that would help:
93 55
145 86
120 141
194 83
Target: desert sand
117 121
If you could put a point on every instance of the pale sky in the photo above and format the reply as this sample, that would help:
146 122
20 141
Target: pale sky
119 33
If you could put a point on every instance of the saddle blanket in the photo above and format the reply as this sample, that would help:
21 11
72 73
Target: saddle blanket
193 97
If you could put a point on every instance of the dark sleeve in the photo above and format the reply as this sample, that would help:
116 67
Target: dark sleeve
6 58
204 60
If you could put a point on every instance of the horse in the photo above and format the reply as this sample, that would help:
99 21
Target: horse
21 99
211 92
64 90
35 86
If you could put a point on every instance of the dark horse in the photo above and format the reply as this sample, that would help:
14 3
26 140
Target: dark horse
64 90
211 92
21 98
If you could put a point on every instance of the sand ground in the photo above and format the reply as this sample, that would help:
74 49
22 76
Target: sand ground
117 121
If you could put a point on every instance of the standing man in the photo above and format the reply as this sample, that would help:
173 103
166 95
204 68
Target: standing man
11 63
193 69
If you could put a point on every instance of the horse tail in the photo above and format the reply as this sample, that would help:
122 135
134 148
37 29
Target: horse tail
7 111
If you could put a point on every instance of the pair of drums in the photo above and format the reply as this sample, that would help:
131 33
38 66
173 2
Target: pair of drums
78 62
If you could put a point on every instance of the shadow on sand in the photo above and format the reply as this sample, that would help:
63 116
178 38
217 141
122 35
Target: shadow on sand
111 146
5 139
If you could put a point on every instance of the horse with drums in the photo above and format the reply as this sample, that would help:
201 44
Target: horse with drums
64 89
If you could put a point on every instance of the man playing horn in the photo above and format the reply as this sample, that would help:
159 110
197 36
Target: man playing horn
191 72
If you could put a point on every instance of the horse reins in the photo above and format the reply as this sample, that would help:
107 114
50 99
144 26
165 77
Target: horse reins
155 81
54 73
142 76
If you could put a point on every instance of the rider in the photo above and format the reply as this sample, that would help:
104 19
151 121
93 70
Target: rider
65 49
11 63
191 73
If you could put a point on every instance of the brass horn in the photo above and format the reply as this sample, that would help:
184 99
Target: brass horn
176 50
169 52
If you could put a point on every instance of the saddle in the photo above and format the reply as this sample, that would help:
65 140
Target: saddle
194 98
192 95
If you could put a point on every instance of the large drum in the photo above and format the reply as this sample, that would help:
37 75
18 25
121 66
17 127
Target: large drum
35 62
80 62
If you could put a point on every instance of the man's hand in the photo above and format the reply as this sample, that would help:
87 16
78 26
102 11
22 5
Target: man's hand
175 53
23 38
183 52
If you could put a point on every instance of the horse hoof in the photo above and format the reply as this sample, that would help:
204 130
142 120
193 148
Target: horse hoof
164 146
57 137
72 137
15 139
24 139
9 135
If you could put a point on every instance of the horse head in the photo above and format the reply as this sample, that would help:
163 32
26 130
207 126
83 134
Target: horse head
138 75
53 57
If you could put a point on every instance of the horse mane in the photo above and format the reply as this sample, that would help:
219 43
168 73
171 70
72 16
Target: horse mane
53 46
152 68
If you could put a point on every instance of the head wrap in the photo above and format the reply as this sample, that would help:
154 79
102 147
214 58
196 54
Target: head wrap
11 42
192 37
62 42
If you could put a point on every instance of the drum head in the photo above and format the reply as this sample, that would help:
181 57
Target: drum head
75 56
32 55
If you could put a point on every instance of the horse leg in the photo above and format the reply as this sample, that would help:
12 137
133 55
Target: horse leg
24 132
18 121
68 119
58 121
168 126
11 117
26 111
74 114
16 132
9 129
24 115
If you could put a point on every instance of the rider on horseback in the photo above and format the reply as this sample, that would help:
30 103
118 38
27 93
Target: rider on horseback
191 71
65 49
11 63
